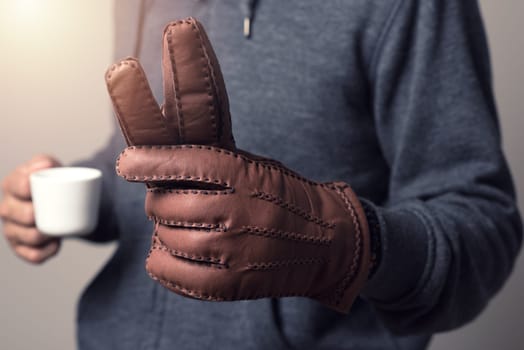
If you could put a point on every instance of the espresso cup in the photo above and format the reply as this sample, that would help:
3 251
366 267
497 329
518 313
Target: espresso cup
66 200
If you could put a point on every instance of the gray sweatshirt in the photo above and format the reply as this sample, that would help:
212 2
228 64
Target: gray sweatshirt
391 96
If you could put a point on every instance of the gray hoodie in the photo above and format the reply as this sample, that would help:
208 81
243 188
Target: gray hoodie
393 97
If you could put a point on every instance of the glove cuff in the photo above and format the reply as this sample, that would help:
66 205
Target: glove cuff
349 287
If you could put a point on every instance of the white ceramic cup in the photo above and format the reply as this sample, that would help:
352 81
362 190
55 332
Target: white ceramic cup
66 200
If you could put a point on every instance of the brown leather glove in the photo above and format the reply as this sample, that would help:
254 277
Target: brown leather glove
196 107
229 225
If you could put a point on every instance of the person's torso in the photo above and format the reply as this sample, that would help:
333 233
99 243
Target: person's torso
300 93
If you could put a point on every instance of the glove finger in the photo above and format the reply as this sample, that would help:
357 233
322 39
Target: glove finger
195 95
204 208
194 244
233 249
241 251
233 212
233 228
138 114
207 282
204 166
210 168
190 278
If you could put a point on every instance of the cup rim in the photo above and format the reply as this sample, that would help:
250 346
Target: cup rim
81 174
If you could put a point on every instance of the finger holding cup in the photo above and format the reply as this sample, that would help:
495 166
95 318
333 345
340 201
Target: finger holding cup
17 213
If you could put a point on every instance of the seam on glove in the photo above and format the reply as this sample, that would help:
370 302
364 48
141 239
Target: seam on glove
176 287
162 177
288 235
208 69
275 265
350 274
190 225
203 192
293 209
178 104
262 164
213 262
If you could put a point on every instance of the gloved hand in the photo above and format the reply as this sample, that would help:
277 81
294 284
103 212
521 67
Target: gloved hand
229 225
196 107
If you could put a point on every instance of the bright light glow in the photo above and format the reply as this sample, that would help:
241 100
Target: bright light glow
28 9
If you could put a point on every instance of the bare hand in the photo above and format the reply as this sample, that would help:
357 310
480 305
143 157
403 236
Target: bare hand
17 213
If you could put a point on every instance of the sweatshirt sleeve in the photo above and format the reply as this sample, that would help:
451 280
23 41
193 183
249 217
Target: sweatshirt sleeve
104 160
450 229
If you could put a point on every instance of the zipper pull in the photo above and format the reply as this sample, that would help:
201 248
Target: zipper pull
247 27
248 10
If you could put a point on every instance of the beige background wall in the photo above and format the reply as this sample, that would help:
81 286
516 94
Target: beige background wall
53 100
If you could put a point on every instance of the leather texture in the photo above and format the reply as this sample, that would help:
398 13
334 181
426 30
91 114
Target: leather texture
229 225
196 107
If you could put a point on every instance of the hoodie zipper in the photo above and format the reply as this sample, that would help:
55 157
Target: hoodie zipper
248 10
